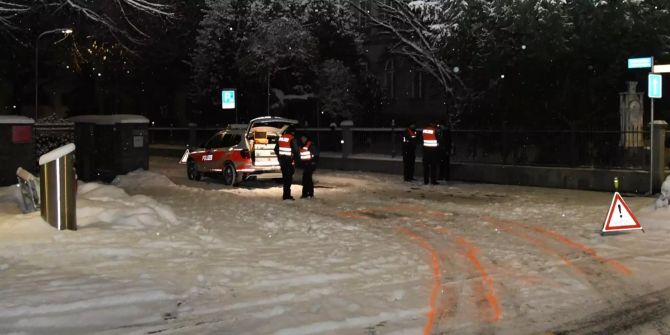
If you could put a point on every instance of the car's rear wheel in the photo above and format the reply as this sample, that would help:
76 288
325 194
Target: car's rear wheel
230 176
192 171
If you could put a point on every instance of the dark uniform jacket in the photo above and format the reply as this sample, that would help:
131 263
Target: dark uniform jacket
295 148
409 141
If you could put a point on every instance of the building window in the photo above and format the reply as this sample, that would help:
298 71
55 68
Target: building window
389 78
416 84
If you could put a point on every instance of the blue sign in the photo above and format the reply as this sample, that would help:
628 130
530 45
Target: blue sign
655 86
228 99
640 63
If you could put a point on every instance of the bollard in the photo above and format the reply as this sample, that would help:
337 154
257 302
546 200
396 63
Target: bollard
660 126
57 188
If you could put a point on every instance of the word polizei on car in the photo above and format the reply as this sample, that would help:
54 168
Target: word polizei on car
239 152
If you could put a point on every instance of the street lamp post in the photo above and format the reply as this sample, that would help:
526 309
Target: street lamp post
65 31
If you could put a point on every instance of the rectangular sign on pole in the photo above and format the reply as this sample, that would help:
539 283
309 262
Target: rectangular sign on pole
228 99
640 63
655 86
662 68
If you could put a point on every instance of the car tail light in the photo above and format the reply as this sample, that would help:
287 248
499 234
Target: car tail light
245 153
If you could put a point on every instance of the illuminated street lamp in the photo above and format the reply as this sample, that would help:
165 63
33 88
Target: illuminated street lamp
64 31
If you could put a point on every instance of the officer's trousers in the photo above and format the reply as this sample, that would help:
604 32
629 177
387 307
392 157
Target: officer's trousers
287 170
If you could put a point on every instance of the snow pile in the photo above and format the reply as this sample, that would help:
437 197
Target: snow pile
663 200
101 276
98 203
141 179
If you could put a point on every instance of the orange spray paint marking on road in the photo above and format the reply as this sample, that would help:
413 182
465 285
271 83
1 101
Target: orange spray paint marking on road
437 277
471 254
583 248
618 266
537 243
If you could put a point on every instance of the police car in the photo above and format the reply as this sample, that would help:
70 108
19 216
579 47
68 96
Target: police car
239 152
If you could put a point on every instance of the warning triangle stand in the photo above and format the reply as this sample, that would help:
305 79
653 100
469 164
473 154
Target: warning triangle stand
620 217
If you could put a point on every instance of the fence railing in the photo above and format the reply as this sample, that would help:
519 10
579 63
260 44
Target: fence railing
604 149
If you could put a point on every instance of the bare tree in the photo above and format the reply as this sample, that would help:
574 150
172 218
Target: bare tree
118 17
419 31
119 24
9 10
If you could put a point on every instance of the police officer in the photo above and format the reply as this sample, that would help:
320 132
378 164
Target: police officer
409 152
287 151
444 139
430 154
309 157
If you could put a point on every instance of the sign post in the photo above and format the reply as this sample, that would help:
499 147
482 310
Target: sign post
655 92
228 96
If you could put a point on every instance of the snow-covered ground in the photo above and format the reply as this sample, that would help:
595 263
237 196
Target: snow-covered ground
156 253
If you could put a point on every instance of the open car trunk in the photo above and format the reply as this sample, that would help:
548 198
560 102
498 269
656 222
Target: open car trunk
263 134
264 141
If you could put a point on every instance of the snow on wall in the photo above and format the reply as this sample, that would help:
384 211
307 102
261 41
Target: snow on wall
15 119
109 119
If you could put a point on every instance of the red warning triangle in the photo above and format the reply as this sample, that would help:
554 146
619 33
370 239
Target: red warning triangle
620 217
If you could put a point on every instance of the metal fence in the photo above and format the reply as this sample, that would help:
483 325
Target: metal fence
603 149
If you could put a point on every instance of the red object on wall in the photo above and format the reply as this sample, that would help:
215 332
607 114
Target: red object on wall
22 134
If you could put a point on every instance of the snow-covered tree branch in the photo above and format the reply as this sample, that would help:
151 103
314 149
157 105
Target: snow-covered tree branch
121 18
9 10
420 31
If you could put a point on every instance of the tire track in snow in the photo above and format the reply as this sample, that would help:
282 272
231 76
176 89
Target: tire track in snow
616 265
469 251
513 226
437 277
606 277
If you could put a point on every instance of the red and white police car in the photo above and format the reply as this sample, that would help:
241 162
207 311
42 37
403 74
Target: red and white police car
239 152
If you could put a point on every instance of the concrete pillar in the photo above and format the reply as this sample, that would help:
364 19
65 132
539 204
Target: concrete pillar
660 127
192 136
347 138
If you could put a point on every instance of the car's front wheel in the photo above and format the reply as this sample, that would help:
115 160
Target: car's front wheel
230 176
192 171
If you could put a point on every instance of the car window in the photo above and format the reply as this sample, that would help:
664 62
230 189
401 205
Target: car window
214 142
236 139
226 141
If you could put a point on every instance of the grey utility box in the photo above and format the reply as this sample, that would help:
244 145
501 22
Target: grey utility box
17 147
58 188
109 145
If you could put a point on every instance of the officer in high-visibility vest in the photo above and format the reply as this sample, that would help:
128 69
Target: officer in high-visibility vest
430 154
409 152
287 151
309 157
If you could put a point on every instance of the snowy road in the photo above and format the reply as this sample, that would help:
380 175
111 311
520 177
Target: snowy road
369 255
